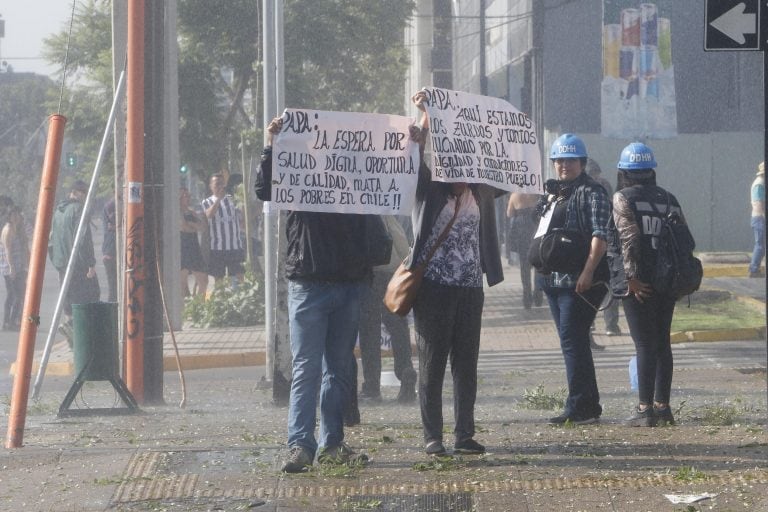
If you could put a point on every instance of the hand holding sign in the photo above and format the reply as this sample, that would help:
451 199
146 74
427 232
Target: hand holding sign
479 139
343 162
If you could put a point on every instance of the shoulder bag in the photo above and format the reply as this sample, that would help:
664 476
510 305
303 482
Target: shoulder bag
404 284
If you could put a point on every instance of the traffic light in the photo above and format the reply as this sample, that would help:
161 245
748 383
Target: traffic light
183 169
71 160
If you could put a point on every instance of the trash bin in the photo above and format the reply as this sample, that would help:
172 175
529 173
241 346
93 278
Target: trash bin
95 340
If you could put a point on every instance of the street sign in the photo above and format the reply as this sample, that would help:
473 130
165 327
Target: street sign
733 25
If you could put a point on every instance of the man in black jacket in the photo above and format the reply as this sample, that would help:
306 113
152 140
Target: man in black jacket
328 270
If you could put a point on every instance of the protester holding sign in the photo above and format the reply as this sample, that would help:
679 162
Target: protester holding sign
449 306
580 209
328 270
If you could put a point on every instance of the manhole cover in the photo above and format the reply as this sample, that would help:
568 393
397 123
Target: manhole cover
450 502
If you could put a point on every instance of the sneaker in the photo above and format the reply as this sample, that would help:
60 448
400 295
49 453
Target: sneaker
613 332
664 415
595 345
299 460
573 419
407 394
435 448
341 454
642 418
469 447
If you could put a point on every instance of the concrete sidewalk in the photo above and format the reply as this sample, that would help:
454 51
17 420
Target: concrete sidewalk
223 449
506 326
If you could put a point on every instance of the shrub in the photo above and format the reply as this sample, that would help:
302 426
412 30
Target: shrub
226 307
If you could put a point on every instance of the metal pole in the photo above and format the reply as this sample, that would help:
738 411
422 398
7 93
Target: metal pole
31 314
268 40
135 270
78 238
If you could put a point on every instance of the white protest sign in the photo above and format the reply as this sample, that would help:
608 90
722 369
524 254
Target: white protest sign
480 139
344 162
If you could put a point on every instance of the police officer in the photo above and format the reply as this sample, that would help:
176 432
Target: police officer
638 208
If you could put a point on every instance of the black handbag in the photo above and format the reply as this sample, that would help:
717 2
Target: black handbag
560 250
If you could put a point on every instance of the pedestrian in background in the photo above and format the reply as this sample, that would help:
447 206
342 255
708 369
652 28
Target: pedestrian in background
227 255
639 208
328 269
757 198
373 314
83 283
576 203
109 248
192 261
14 265
448 309
611 312
521 211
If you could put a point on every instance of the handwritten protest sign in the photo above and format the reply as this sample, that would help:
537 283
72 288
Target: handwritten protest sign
479 139
344 162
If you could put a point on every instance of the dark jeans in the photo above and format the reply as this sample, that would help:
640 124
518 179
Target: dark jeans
649 325
573 317
447 322
372 314
15 288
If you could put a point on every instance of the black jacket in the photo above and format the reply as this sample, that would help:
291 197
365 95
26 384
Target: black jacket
321 246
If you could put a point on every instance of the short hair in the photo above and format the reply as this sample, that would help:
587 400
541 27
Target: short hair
79 186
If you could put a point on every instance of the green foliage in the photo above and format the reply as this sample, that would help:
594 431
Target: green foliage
23 128
226 307
537 398
346 55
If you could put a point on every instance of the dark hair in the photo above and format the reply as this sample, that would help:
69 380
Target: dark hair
79 186
626 179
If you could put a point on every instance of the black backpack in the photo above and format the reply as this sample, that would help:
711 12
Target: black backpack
678 272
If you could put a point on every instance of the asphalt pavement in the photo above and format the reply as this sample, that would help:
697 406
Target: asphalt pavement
223 449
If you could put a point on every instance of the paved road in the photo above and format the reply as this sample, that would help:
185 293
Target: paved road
731 355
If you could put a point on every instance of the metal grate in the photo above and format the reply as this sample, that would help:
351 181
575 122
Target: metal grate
444 502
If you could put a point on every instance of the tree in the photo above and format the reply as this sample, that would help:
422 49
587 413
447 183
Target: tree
346 55
23 117
339 55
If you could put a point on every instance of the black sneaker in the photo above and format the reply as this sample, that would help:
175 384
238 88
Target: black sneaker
435 448
664 415
573 419
642 418
468 447
299 460
341 454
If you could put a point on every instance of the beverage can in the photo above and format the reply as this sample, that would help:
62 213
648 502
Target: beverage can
611 48
630 27
648 61
665 43
648 24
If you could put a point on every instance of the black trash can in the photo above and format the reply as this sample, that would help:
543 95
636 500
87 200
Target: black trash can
95 340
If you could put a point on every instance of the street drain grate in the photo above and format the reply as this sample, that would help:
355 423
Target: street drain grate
450 502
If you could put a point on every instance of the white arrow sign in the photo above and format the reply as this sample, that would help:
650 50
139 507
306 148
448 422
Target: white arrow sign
735 23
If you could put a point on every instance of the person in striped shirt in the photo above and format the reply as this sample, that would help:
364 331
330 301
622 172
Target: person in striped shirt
227 255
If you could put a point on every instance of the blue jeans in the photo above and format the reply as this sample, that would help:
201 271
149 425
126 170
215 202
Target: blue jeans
573 317
758 228
323 318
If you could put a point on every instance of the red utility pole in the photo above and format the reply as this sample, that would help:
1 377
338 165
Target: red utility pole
135 271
